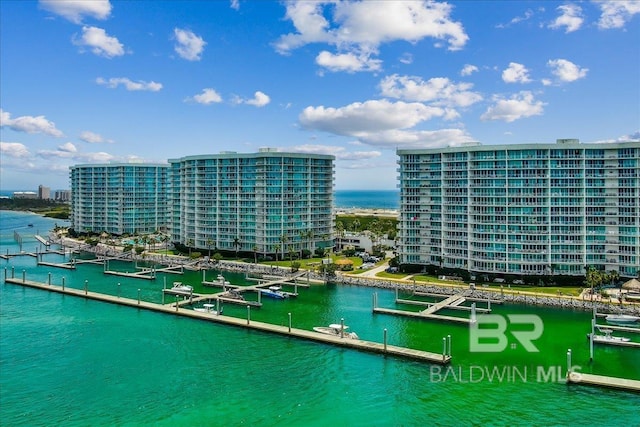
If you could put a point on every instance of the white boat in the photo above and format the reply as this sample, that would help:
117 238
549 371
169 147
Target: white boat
621 319
274 292
607 337
336 330
222 281
181 287
208 308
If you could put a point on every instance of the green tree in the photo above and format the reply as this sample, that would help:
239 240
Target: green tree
236 245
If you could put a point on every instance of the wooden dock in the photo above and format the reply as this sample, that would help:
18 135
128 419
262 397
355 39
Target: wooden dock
421 315
356 344
603 381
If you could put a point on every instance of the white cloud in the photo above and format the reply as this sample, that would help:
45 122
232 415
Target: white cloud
439 90
75 10
570 18
29 124
406 58
14 149
382 123
527 15
68 147
130 85
516 73
468 69
349 62
358 28
616 13
235 4
97 40
358 119
566 71
93 138
208 96
259 99
188 45
632 137
339 152
517 107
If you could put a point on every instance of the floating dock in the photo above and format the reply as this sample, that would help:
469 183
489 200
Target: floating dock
368 346
603 381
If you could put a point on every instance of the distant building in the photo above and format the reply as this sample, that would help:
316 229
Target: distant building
119 198
534 209
25 195
44 193
267 202
62 195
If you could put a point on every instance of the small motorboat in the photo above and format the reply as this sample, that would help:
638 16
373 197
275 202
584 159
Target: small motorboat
222 281
607 337
274 292
621 319
181 287
233 294
336 330
208 308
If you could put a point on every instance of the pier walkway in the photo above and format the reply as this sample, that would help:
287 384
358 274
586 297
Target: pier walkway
356 344
603 381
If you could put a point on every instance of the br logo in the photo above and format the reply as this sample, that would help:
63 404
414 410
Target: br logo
489 333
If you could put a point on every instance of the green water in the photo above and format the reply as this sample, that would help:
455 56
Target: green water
69 361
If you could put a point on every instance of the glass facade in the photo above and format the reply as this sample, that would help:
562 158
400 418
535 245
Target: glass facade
522 209
267 202
119 198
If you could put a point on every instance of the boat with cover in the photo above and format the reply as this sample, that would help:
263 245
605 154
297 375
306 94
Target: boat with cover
182 288
621 319
274 292
607 337
336 330
208 308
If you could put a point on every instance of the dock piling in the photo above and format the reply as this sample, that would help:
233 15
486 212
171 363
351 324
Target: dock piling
384 339
444 347
289 321
63 279
568 362
49 279
24 276
342 327
449 345
119 292
248 314
138 296
86 286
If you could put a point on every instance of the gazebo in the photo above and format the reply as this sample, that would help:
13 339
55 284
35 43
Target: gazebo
632 285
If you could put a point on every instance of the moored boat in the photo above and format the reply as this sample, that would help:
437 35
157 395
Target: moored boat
208 308
182 288
607 337
621 319
336 330
274 292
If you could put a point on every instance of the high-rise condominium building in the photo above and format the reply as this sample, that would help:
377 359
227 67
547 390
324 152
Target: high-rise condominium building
267 202
534 209
119 198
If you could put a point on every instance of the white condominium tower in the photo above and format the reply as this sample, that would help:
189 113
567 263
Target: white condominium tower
534 209
119 198
268 203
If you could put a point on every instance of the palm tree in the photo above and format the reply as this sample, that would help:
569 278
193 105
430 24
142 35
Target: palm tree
255 254
209 244
277 248
189 244
236 244
356 225
284 239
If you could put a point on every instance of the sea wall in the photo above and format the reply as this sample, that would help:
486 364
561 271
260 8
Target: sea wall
508 296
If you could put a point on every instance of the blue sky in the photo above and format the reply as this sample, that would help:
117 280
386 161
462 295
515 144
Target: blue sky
113 81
